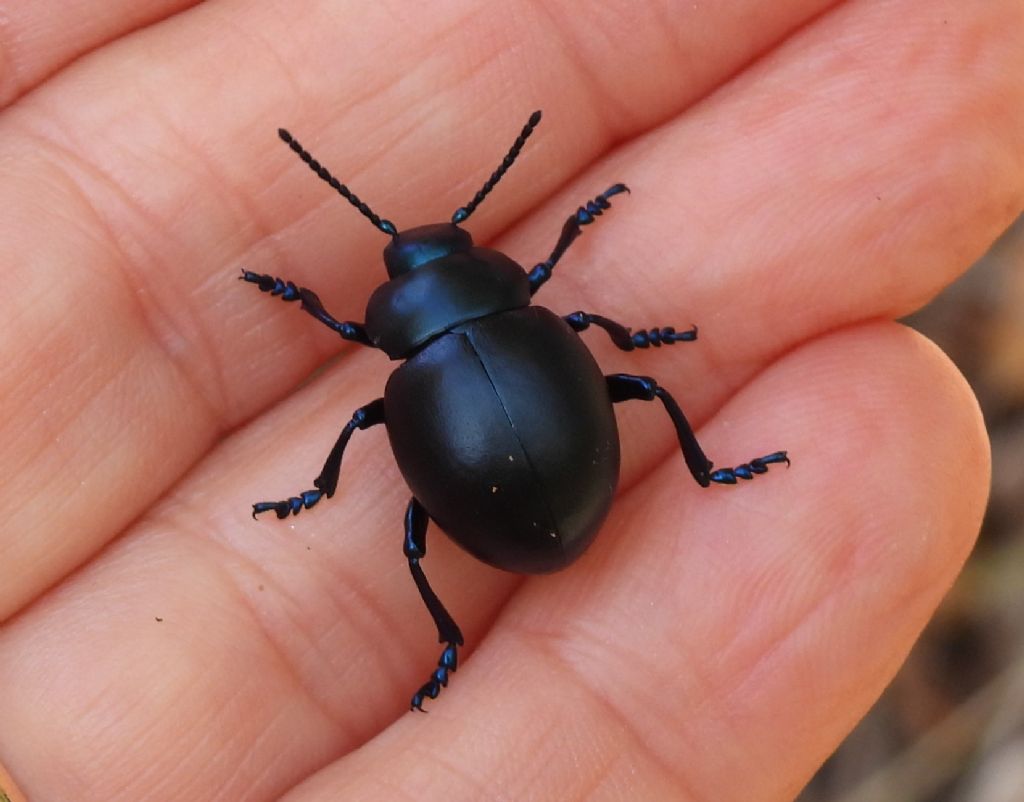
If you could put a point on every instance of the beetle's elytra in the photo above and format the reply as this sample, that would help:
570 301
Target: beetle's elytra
499 417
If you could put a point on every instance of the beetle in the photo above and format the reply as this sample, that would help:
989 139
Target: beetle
499 417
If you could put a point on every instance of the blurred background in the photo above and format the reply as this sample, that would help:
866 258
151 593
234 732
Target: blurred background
950 728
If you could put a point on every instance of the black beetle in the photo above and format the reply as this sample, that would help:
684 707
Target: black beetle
499 417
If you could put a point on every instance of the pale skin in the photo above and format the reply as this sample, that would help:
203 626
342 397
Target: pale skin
798 178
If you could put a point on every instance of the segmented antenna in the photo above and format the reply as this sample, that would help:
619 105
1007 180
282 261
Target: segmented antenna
465 211
384 225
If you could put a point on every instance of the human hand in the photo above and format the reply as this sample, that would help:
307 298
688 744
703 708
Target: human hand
798 182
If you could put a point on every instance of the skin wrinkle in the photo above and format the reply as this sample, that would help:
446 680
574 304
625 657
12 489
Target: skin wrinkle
597 779
386 783
595 99
214 393
372 619
9 84
265 774
134 278
202 744
867 681
15 85
479 786
214 414
765 661
52 419
577 679
234 199
410 132
699 684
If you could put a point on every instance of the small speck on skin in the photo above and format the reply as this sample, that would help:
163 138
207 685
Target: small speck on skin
261 586
159 620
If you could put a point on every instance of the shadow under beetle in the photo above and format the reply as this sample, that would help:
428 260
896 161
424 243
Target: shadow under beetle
499 417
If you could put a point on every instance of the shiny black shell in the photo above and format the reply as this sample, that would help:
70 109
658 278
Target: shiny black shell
503 428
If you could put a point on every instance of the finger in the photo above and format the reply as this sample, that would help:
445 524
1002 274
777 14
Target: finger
39 38
134 306
721 653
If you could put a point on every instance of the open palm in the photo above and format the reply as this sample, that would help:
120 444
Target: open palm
800 175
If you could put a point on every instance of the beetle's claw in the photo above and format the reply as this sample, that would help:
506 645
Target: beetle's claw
431 689
265 506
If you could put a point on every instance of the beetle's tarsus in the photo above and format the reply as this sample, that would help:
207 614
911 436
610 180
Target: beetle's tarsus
625 338
290 506
431 689
748 470
584 215
665 335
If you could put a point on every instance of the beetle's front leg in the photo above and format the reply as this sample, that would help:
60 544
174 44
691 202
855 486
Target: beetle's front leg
626 387
584 216
626 338
311 303
327 482
448 632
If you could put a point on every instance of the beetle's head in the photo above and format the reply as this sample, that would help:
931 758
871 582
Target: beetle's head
418 246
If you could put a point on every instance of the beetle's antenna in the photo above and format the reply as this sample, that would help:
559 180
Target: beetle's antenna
384 225
465 211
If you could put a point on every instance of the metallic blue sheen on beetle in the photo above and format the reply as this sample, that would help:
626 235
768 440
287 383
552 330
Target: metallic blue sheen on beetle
499 417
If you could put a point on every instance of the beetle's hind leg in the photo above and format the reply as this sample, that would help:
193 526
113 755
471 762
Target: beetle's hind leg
626 387
627 339
448 632
327 482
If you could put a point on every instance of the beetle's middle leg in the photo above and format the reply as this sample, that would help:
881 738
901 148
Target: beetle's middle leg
626 338
584 216
448 632
327 482
626 387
